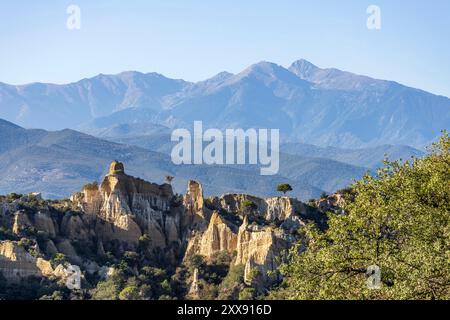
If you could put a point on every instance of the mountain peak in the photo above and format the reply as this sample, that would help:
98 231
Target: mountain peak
264 66
221 76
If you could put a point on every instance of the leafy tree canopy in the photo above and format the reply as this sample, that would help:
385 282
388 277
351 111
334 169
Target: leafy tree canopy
398 221
284 187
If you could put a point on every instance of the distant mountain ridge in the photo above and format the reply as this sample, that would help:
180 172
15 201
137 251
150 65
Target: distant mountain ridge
325 107
55 163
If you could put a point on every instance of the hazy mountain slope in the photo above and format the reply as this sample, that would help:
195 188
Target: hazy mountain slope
367 157
325 107
52 106
371 111
59 163
158 139
324 173
318 168
335 79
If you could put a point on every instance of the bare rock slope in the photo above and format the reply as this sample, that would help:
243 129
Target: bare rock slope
123 210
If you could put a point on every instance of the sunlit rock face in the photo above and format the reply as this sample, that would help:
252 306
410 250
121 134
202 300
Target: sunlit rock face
256 232
253 232
196 212
131 207
258 249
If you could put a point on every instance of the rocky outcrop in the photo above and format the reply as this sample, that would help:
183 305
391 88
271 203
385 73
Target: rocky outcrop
21 222
76 227
129 207
220 235
194 289
333 203
258 248
117 213
194 204
16 263
257 236
276 209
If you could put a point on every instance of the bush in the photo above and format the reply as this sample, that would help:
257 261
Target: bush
247 206
284 187
131 258
106 290
398 221
129 293
231 283
59 258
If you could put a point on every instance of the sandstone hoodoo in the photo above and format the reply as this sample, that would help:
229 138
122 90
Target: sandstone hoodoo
116 168
125 214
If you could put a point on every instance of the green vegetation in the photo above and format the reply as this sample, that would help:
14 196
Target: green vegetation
31 288
398 221
232 283
149 283
129 293
58 259
248 206
247 294
284 187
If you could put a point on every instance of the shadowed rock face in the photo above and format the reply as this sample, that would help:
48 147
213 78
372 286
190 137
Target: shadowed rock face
116 168
124 208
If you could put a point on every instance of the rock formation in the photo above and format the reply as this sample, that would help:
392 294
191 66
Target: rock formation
130 207
258 248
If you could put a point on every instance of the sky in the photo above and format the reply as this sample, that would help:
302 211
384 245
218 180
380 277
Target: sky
194 40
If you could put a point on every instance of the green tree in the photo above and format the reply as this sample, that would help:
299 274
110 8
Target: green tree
398 221
284 187
169 179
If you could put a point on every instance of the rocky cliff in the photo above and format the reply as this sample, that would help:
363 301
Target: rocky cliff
16 263
123 213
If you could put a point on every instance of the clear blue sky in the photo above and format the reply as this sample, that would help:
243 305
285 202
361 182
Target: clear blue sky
194 40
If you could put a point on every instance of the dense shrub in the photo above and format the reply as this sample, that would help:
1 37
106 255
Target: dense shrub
398 221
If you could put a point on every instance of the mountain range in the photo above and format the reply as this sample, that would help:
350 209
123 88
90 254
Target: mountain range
310 105
56 163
